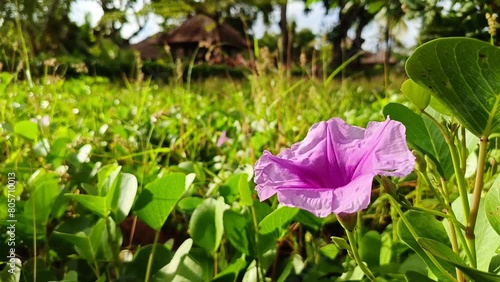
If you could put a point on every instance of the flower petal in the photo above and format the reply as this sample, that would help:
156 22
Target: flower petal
332 169
322 202
387 149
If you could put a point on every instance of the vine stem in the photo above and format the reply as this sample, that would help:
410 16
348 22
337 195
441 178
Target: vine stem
459 227
112 241
456 161
257 251
355 252
454 245
462 186
151 257
478 188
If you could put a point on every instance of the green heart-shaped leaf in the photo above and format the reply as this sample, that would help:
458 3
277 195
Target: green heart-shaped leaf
418 95
424 135
277 219
426 226
464 75
159 198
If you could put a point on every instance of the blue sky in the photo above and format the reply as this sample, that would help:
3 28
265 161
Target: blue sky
316 20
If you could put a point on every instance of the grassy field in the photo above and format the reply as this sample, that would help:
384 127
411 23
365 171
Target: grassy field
87 154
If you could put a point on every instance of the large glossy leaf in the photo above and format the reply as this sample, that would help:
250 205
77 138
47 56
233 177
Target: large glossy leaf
230 273
487 240
369 248
413 276
464 75
27 129
426 226
423 134
86 238
122 197
492 205
181 268
234 227
244 190
442 251
159 198
108 178
95 204
206 224
277 219
237 185
12 271
137 269
39 205
189 204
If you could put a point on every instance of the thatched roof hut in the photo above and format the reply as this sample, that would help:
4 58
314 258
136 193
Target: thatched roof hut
150 48
184 39
201 28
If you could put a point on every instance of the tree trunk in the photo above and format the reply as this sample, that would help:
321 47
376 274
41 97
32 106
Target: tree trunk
285 59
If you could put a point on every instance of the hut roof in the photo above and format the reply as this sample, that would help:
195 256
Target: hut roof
200 28
150 48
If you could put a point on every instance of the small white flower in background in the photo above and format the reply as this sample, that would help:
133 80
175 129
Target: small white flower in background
240 154
133 111
103 129
152 119
16 105
116 102
75 111
45 120
42 148
83 153
44 104
62 169
96 169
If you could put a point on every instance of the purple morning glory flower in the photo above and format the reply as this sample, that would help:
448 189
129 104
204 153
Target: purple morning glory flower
332 169
222 139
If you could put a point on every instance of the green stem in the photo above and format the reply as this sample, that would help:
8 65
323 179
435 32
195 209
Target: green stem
463 146
443 201
151 257
440 214
96 270
459 227
462 186
115 248
435 191
478 188
257 252
357 258
415 236
454 245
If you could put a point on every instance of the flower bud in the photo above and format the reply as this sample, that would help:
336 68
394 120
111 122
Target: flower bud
348 220
420 162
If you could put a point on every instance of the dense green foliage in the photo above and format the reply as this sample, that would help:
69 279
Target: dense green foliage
85 153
